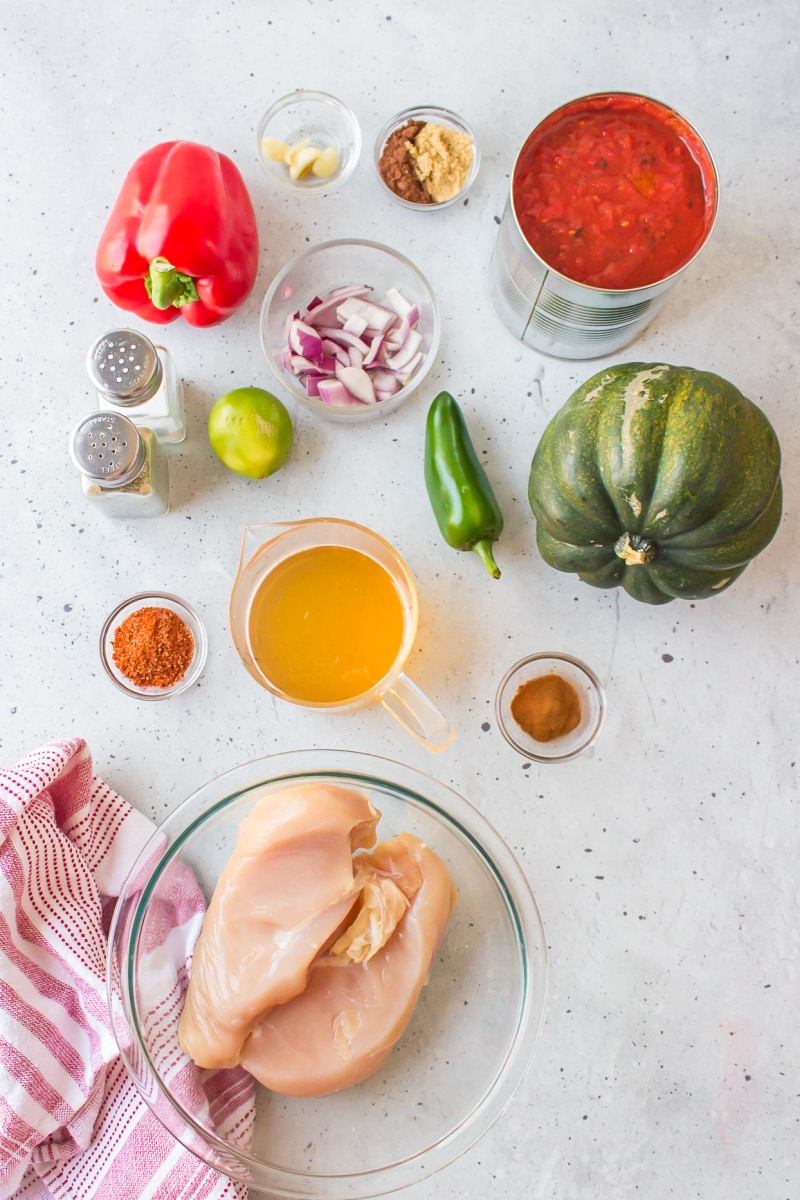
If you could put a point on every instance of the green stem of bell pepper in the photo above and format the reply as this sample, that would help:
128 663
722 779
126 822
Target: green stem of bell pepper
168 287
461 496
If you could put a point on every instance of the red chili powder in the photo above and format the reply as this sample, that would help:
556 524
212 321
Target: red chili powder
153 647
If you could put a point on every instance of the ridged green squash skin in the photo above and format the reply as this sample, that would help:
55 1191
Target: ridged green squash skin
672 455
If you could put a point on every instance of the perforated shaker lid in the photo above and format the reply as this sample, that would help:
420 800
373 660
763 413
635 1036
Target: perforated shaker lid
108 448
124 366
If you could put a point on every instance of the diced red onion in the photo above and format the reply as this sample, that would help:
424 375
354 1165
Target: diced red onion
333 391
398 302
398 334
405 373
357 382
300 365
320 314
374 350
349 351
355 324
407 351
344 338
351 289
386 381
305 340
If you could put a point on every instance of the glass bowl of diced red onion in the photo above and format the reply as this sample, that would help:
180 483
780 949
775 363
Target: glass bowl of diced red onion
351 328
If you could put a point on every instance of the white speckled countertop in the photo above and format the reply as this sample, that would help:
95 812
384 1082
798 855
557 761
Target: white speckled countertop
665 865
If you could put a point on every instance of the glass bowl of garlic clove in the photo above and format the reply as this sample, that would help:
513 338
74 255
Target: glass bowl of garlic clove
308 142
485 988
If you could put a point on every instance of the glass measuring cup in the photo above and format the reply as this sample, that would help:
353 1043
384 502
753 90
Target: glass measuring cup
270 546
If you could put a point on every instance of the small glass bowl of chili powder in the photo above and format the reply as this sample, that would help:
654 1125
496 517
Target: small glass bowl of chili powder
550 707
153 645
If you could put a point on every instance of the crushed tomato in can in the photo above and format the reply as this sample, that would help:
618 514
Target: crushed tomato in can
615 191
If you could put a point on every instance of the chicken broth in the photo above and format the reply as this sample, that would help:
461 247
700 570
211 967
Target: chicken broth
326 625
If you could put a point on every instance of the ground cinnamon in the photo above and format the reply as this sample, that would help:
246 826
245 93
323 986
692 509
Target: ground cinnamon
546 708
153 647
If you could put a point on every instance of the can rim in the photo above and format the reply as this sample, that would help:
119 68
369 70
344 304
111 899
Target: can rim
714 179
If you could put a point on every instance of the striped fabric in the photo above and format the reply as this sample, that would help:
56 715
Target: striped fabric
72 1124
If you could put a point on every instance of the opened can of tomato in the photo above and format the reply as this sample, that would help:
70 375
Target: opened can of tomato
612 197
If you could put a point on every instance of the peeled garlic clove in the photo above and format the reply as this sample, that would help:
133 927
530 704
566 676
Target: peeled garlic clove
293 150
326 163
274 149
302 162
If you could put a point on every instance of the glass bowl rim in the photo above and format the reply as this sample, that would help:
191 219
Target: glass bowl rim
508 876
328 100
369 411
198 631
446 116
596 686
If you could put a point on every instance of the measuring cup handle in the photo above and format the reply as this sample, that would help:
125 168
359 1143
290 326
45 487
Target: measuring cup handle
420 716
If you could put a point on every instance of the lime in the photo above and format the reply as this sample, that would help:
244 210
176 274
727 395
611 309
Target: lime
251 432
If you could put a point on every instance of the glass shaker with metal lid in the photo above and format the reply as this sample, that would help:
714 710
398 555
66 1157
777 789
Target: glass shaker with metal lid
135 377
123 468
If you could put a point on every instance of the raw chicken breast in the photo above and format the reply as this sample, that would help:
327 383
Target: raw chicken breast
343 1026
287 890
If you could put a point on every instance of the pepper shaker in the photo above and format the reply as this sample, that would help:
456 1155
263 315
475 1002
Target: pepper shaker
139 379
124 469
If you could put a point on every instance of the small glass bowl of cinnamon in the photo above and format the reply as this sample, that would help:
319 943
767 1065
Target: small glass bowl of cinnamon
153 646
550 707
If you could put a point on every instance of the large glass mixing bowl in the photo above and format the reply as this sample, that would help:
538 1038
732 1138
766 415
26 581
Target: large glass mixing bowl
470 1039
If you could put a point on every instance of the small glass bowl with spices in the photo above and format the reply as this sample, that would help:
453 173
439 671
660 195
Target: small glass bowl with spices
426 157
550 707
153 646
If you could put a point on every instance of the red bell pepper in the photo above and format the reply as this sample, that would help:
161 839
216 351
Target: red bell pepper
182 238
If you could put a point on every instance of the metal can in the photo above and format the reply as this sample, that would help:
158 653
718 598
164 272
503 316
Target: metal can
560 316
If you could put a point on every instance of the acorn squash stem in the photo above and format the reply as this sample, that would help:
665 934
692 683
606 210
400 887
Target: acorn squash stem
635 550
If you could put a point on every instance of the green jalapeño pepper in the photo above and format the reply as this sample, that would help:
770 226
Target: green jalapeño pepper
461 496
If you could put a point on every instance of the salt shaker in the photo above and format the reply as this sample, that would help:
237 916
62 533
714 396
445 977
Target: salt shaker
139 379
124 469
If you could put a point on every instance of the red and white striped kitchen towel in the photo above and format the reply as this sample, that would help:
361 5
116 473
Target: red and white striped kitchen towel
72 1124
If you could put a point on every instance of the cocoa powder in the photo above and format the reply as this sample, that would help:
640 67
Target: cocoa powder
397 167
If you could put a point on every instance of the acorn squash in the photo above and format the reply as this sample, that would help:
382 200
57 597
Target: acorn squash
663 480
